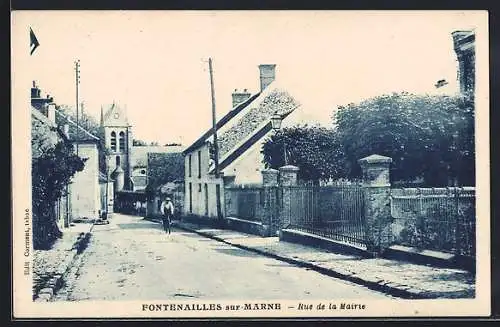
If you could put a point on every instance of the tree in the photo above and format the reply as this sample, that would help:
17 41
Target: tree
136 142
164 168
431 137
315 150
52 170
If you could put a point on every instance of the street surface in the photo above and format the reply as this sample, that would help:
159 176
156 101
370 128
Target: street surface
134 259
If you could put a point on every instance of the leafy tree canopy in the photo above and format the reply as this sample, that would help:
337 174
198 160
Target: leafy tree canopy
164 168
315 150
136 142
426 136
52 169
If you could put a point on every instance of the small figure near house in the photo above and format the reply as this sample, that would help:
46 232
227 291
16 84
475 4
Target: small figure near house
167 211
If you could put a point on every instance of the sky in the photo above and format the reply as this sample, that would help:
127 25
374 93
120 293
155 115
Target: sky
155 63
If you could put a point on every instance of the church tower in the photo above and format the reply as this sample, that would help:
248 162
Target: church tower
118 140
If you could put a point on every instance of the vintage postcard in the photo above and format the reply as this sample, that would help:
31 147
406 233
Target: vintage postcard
250 164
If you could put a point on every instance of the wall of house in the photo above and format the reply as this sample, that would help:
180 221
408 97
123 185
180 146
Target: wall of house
139 171
85 196
61 207
247 168
109 195
200 187
139 178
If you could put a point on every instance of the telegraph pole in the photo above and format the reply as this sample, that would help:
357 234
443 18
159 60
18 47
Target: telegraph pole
214 120
84 121
216 146
77 82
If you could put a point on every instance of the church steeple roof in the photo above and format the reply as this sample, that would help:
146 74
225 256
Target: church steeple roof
115 116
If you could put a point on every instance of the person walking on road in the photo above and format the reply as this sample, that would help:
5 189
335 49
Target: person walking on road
167 211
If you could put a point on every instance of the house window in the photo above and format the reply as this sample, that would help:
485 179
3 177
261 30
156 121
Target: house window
199 164
143 171
206 199
189 164
113 141
199 187
118 161
190 197
122 141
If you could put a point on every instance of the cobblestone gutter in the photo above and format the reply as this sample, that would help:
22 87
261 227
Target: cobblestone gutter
51 266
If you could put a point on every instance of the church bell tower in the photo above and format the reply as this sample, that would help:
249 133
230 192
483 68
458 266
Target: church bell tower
118 140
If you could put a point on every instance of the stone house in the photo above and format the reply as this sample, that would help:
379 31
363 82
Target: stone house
464 46
241 134
85 189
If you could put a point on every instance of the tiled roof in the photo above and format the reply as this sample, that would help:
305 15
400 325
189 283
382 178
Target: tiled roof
82 135
44 133
139 154
244 119
257 114
109 118
36 114
230 115
249 141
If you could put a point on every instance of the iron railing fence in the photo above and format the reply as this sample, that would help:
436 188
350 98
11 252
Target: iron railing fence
335 212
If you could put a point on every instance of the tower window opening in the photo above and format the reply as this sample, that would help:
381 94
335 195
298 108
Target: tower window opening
113 141
122 141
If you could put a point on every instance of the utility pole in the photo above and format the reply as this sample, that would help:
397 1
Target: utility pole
216 146
214 120
77 82
84 121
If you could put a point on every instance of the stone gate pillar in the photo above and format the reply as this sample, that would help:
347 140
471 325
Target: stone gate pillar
228 182
270 215
288 177
377 189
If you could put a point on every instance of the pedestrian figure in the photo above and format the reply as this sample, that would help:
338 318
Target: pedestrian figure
167 211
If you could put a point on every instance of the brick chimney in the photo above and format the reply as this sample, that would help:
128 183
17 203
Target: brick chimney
267 75
35 91
240 97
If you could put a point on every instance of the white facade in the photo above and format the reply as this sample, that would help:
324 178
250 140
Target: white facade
200 186
85 190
